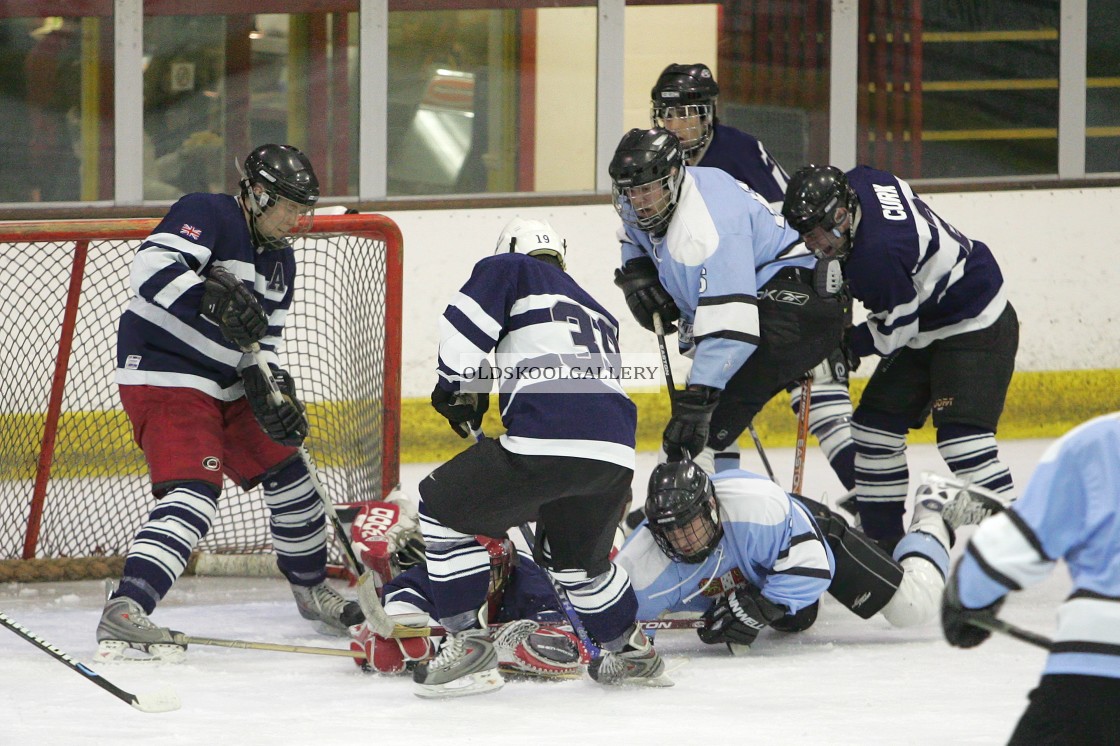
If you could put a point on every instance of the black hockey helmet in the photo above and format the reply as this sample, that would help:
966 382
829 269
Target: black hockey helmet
646 174
682 511
821 197
283 172
681 93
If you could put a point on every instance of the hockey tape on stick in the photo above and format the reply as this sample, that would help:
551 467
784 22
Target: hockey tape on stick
340 534
151 702
994 624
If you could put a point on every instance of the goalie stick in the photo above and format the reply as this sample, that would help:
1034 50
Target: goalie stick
163 701
340 533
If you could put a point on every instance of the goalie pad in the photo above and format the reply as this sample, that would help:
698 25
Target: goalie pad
866 577
526 648
391 655
386 537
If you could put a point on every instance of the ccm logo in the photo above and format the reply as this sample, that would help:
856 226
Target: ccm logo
212 463
377 520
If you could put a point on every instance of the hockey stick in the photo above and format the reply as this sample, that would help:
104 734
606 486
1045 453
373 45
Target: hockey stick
184 640
659 330
802 435
402 632
313 474
995 624
151 702
762 454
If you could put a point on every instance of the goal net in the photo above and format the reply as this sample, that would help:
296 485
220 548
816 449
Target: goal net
73 484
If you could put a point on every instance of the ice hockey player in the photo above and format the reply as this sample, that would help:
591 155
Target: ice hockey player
746 555
213 279
939 317
535 638
756 309
565 461
1069 512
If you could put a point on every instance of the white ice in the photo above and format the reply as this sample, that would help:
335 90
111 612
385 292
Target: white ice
844 681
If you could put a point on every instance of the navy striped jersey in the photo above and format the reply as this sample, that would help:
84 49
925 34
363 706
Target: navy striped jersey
1069 511
743 156
769 539
162 340
556 359
919 277
723 243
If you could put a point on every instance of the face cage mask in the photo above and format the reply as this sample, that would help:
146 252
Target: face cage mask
658 198
694 136
702 530
260 205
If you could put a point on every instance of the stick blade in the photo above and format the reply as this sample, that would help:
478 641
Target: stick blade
160 701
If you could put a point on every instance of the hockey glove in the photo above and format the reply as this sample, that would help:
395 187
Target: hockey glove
956 619
737 618
286 422
237 312
386 536
464 411
645 295
687 431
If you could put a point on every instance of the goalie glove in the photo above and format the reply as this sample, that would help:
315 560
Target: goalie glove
229 304
386 537
391 655
738 617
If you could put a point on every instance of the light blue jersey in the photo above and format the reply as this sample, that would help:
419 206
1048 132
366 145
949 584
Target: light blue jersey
769 540
723 243
1071 511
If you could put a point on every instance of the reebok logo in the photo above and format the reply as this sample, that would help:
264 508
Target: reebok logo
785 296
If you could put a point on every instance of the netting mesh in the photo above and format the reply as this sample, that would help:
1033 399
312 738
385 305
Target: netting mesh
98 493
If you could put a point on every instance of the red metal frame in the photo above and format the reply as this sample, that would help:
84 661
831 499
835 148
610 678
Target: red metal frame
374 227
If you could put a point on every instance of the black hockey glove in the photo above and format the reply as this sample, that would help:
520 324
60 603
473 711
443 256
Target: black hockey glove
737 618
645 295
286 423
956 619
463 410
687 431
851 359
237 312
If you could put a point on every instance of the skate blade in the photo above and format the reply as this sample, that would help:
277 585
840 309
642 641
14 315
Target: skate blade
514 672
476 683
118 651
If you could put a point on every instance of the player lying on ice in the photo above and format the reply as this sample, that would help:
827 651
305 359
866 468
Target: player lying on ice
744 553
521 598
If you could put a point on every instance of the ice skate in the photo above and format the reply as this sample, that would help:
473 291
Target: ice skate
125 627
465 664
960 503
526 649
329 612
637 664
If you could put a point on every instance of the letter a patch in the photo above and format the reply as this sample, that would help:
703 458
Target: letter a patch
276 283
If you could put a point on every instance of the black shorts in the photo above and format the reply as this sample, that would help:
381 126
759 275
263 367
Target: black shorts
962 379
576 502
1071 709
797 329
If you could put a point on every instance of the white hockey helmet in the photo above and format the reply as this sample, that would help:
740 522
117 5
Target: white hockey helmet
532 237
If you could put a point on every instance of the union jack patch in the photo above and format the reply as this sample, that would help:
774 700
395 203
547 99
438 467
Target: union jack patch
190 230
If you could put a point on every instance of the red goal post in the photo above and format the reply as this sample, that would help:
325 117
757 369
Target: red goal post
73 484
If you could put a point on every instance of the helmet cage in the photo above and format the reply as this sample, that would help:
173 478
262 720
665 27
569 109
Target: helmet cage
683 513
649 206
821 197
697 124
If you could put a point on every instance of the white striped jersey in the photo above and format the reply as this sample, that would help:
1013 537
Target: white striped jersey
1070 510
920 278
769 539
556 358
745 157
162 340
723 243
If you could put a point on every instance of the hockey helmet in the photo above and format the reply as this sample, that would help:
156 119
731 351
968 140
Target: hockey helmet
646 174
820 197
683 512
684 100
286 178
533 237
